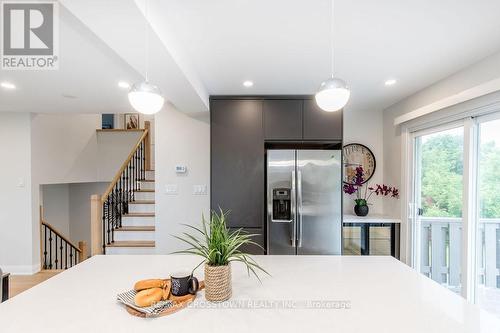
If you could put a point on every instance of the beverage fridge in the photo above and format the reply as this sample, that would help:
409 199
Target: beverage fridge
304 201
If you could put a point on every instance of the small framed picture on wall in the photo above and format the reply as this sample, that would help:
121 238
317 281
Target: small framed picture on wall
131 121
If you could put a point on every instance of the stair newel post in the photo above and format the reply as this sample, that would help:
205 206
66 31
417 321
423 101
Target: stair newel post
82 245
97 242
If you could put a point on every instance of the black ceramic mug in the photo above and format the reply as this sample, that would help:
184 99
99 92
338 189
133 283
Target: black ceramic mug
183 284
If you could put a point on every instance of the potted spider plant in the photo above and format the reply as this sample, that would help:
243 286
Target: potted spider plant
219 246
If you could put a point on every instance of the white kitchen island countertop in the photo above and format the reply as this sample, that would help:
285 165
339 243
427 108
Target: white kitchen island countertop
355 294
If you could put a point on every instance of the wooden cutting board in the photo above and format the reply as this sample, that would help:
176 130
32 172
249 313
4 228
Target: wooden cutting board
180 302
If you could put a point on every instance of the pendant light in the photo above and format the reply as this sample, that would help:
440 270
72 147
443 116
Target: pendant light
145 97
333 93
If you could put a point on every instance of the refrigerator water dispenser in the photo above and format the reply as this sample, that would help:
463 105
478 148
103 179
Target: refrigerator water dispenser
282 206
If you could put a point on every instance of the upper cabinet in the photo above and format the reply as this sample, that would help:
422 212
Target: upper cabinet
283 119
319 124
237 160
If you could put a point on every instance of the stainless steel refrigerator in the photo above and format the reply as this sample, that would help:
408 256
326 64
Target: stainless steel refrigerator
304 202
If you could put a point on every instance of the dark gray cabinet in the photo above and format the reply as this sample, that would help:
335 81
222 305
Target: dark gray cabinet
240 128
237 160
321 125
283 119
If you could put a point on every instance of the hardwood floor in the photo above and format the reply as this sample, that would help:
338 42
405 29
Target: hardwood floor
20 283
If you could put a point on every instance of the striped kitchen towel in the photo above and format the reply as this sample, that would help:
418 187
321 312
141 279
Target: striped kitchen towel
154 310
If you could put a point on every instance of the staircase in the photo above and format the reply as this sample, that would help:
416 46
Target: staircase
125 216
57 251
137 232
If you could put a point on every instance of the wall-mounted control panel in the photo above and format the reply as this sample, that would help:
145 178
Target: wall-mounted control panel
181 169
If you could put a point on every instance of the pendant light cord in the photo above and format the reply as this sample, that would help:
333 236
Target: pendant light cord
146 64
331 37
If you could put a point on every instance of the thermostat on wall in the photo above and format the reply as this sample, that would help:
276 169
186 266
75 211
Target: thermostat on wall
180 169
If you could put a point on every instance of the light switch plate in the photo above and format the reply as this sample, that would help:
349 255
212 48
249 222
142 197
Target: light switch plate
199 189
171 189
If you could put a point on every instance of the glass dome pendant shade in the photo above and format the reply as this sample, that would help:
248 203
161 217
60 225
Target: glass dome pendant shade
333 95
146 98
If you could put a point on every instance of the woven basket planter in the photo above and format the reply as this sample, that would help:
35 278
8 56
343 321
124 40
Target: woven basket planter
218 283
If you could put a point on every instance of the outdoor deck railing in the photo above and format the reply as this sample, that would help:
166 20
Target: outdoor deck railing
440 250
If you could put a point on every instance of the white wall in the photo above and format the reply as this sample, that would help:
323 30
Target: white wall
180 139
64 148
112 150
67 208
79 209
119 123
67 149
16 245
483 71
366 127
55 202
48 149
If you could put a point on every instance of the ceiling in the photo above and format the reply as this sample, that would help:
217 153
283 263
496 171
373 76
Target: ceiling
86 81
283 45
210 47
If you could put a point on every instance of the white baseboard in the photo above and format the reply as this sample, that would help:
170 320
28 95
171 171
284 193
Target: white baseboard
21 269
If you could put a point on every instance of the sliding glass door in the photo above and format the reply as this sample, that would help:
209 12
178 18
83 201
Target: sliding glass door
455 196
488 226
438 188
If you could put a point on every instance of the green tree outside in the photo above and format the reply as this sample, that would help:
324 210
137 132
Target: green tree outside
442 177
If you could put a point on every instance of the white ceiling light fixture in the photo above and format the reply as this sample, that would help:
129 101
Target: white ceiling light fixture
145 97
8 85
333 93
248 83
390 82
123 84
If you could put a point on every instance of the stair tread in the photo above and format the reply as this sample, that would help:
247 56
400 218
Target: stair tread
132 244
142 202
139 214
144 190
137 228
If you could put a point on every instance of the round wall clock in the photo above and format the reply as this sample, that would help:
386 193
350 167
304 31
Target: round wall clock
356 154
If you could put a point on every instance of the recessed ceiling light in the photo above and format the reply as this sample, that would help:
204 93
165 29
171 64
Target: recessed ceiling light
248 84
8 85
390 82
123 85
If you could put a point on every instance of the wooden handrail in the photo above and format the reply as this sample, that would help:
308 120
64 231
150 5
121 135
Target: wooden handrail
54 230
124 165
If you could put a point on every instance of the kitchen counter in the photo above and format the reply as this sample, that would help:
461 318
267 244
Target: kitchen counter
348 218
304 294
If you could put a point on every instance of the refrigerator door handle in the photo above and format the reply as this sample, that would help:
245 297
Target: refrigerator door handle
293 236
299 207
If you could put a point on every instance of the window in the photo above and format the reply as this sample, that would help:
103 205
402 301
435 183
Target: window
488 226
455 200
439 188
